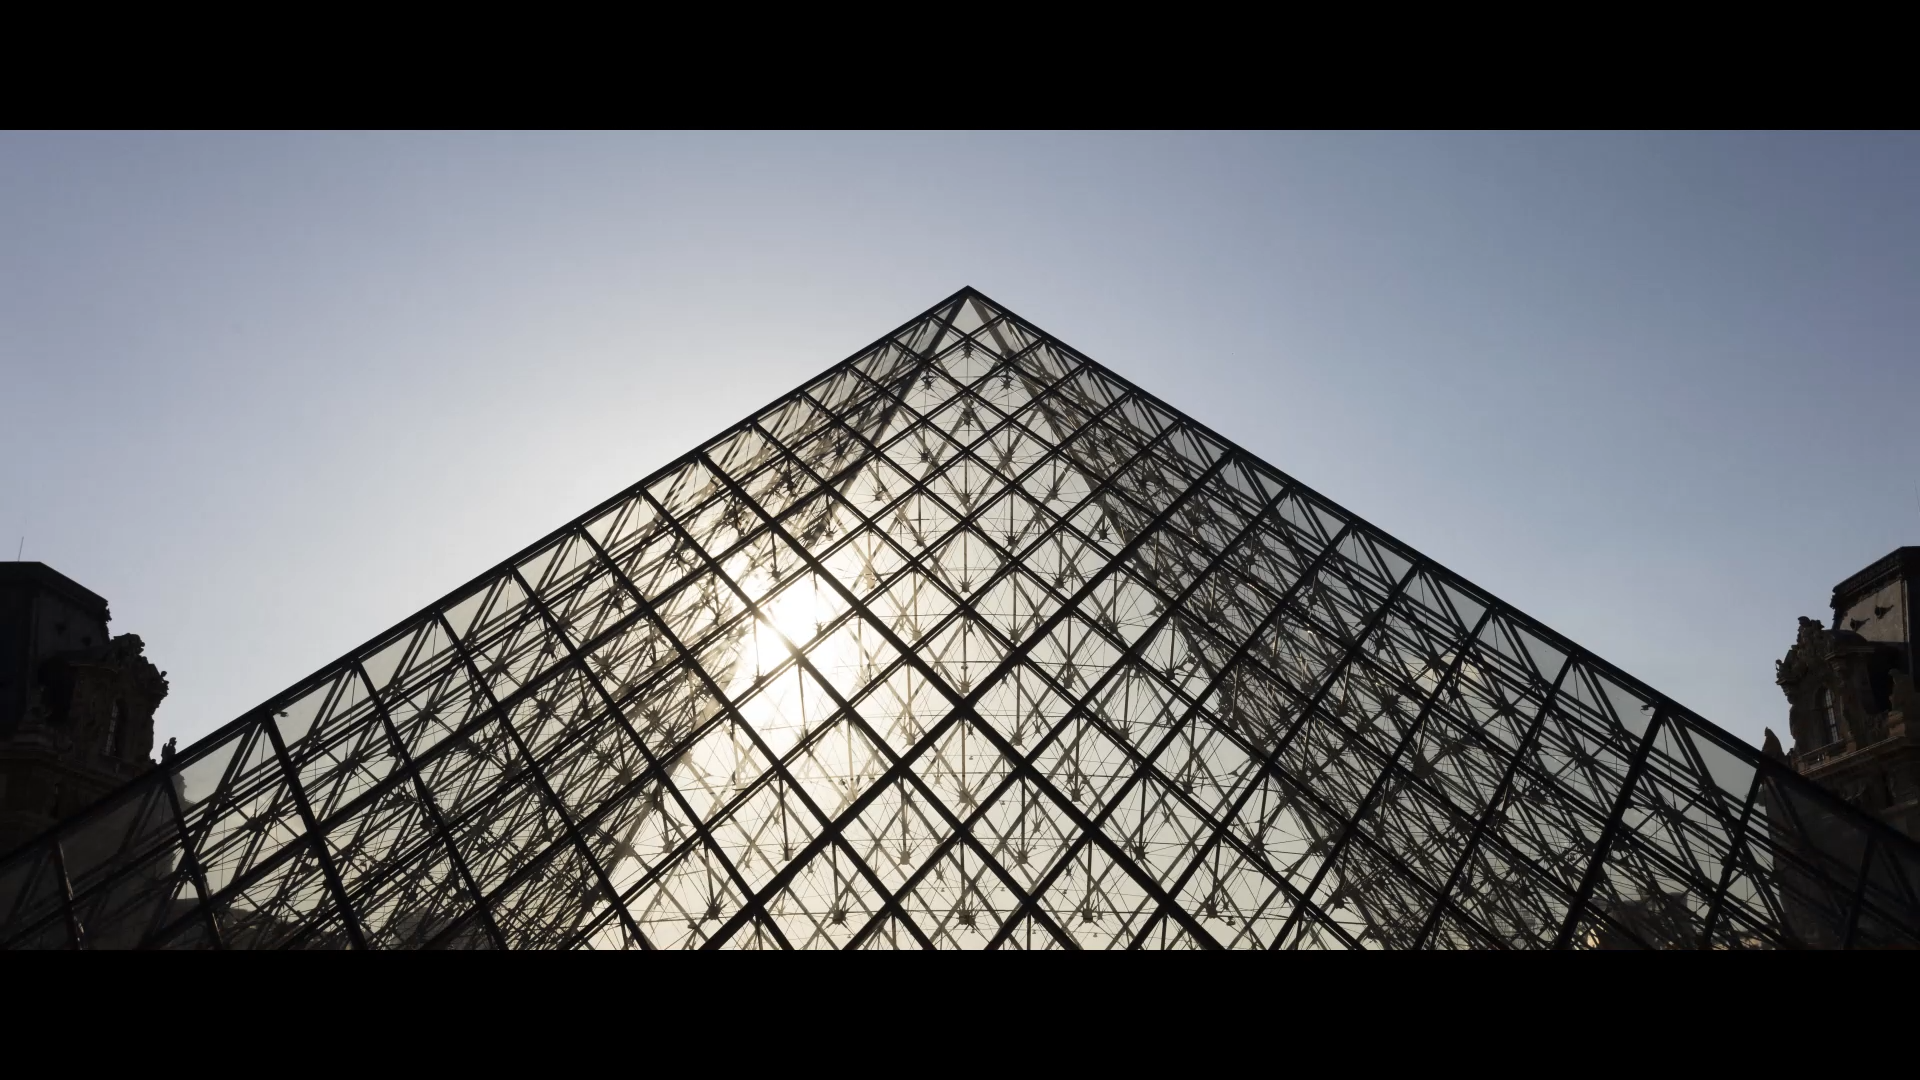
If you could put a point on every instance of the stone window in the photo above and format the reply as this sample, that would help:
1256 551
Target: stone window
116 727
1829 716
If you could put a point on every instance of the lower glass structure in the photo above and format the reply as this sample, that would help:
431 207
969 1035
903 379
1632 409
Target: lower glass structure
967 643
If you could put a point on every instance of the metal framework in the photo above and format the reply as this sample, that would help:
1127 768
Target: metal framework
968 642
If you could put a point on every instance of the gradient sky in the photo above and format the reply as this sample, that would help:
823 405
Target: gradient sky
269 394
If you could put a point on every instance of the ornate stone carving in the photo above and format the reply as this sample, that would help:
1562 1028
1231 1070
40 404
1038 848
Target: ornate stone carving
1849 699
81 723
101 700
1810 646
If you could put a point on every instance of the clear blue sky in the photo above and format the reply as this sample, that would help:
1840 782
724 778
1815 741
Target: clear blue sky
271 393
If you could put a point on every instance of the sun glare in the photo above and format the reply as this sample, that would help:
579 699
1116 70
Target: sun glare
789 704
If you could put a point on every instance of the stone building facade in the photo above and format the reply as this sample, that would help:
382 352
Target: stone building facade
1850 693
76 703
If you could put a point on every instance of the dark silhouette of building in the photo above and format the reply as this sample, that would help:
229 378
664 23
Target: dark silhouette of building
1850 701
1850 694
76 724
967 643
76 704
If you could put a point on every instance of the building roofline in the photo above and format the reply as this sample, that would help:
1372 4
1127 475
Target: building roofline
39 573
1900 561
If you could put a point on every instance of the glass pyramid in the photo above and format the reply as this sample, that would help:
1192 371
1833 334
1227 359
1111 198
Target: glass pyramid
967 643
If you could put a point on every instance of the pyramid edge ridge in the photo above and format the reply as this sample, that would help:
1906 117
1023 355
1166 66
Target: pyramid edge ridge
315 678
